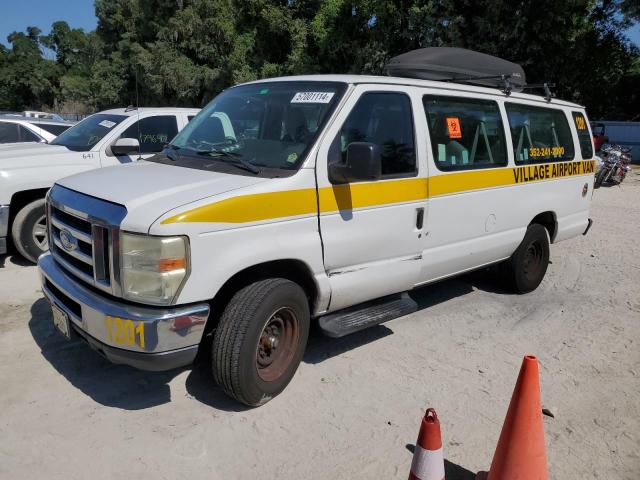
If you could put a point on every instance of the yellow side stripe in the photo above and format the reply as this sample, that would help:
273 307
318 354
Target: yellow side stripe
252 208
362 195
289 203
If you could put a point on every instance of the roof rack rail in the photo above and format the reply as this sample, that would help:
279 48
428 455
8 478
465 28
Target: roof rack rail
507 87
504 80
546 86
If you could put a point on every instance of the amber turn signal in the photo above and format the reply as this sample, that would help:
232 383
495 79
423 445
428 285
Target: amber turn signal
172 264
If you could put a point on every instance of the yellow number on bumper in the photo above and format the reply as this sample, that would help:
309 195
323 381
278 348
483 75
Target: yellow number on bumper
125 332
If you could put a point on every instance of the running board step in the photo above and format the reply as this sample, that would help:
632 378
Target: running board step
368 314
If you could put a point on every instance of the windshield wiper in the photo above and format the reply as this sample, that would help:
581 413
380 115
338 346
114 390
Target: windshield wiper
168 151
238 161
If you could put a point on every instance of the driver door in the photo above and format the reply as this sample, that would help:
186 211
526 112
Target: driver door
372 231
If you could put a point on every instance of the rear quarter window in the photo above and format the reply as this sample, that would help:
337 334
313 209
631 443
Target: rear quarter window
539 134
584 137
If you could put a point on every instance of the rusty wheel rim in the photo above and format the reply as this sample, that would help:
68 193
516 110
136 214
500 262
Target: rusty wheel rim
277 344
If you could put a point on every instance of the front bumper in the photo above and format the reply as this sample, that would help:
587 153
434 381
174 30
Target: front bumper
171 335
4 228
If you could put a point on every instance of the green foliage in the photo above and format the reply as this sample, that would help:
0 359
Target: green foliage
183 52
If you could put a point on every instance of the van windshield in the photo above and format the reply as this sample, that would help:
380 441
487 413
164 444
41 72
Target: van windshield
269 125
84 135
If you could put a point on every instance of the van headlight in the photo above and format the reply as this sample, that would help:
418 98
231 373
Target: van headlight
152 269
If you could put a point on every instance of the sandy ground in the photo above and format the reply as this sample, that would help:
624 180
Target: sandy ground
354 407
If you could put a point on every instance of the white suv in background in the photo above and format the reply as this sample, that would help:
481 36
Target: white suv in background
111 137
18 129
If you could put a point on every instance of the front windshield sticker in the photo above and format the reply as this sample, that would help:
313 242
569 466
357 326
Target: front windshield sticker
312 97
292 157
107 123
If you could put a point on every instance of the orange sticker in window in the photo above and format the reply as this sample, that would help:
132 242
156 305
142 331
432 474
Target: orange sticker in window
453 126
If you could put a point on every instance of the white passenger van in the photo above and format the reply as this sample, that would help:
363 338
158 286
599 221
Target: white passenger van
313 198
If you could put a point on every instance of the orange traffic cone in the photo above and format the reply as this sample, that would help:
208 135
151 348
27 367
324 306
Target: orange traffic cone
428 462
520 453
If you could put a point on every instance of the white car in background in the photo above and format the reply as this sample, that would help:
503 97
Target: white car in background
19 129
111 137
46 115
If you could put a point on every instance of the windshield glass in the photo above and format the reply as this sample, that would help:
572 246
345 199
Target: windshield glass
269 125
84 135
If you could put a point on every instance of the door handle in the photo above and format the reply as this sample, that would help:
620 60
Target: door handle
419 218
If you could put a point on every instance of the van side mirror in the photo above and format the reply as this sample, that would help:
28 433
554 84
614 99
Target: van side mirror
125 146
364 162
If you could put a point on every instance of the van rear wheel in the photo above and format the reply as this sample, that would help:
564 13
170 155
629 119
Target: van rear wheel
260 340
528 265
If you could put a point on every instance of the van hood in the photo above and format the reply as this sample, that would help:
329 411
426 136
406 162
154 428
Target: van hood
149 189
30 155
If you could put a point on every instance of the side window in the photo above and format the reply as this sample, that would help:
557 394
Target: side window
27 135
465 133
539 134
9 133
584 137
153 132
384 119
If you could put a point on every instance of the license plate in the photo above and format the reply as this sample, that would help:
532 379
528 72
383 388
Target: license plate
61 321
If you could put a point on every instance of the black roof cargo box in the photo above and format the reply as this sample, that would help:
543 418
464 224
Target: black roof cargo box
457 65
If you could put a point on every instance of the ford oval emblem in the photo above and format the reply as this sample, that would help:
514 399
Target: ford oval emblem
68 241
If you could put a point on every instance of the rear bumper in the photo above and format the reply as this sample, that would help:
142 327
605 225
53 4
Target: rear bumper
4 228
171 335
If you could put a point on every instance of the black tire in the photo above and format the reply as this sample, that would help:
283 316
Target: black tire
528 264
600 178
29 230
246 340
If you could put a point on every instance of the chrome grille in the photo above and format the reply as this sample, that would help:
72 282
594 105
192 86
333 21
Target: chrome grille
83 237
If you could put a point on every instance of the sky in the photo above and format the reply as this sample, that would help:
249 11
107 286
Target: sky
19 14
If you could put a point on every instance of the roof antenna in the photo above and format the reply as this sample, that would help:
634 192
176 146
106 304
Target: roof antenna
548 95
138 115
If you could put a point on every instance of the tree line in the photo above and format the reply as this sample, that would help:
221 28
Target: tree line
183 52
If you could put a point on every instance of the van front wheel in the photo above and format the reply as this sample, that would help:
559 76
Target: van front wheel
29 230
260 340
528 264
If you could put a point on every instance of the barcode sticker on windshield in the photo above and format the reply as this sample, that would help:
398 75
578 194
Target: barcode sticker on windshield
312 97
107 123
